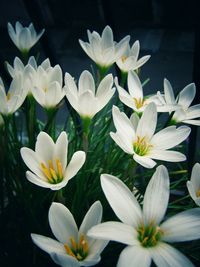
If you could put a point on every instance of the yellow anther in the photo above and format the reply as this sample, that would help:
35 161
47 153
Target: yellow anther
69 251
59 168
198 193
50 164
73 242
139 102
53 174
8 96
123 58
46 171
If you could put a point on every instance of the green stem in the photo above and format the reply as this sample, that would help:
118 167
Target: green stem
31 120
86 121
102 71
123 79
50 127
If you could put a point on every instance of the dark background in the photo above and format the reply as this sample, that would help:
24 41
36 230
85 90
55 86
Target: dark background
167 30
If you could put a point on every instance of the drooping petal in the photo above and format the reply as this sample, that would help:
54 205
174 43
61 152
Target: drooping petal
92 217
134 256
75 164
64 260
115 231
170 137
156 197
121 199
146 162
48 244
184 226
167 155
166 256
62 223
32 161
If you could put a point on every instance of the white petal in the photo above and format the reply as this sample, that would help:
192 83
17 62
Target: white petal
187 95
144 161
37 180
142 61
170 137
86 83
135 49
97 246
167 256
25 40
75 164
167 155
126 98
92 217
193 192
61 149
62 223
134 256
121 141
44 147
168 91
184 226
115 231
147 124
87 104
134 120
32 161
64 260
107 38
192 122
121 199
104 86
48 244
156 197
134 85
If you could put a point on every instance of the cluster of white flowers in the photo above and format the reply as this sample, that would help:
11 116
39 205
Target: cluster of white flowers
143 230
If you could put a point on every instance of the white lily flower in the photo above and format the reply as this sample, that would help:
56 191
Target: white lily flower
184 112
129 60
194 184
48 163
135 99
24 37
73 248
103 50
85 99
14 98
138 138
143 230
48 88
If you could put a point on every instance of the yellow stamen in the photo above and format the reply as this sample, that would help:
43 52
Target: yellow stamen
198 193
139 102
123 58
54 175
46 171
8 96
59 168
78 250
141 146
73 242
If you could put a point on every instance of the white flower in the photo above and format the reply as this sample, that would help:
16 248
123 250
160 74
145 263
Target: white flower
14 98
24 37
129 60
135 99
143 231
73 248
194 184
48 86
48 163
85 99
184 113
137 137
104 51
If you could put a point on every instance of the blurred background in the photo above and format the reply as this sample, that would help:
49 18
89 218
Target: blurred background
167 30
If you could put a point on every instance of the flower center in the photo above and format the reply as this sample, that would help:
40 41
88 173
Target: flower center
53 174
123 58
149 235
77 250
141 146
8 96
139 102
198 193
